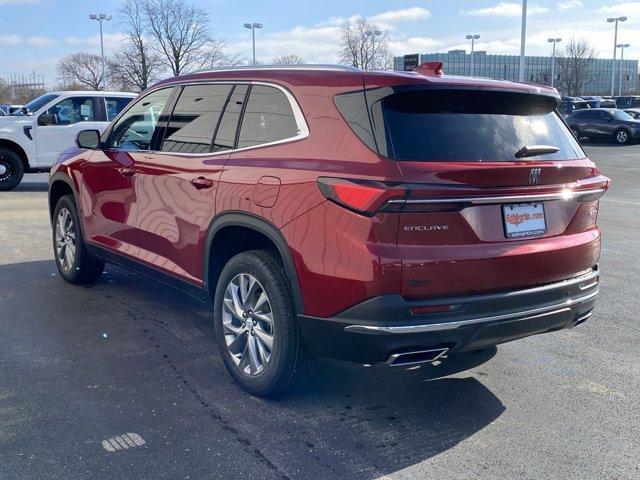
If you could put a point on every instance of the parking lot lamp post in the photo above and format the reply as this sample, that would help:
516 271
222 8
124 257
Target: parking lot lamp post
523 39
252 27
373 34
473 39
621 46
553 58
101 17
615 50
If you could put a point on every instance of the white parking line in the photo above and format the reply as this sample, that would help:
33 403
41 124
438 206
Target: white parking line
123 442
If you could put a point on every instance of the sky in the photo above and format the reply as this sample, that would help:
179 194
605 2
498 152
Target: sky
35 34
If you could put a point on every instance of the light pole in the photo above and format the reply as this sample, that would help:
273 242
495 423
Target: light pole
473 39
373 34
523 39
621 46
252 27
615 50
553 58
101 17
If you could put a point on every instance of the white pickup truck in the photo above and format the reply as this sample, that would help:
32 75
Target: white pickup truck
32 138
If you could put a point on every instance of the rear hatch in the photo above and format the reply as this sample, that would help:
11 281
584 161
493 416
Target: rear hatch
499 194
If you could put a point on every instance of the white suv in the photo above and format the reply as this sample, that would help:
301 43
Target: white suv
32 138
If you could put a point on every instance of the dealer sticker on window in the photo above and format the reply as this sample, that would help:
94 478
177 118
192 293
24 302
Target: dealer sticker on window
524 220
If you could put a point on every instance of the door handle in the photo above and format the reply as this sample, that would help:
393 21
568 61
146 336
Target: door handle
127 172
201 183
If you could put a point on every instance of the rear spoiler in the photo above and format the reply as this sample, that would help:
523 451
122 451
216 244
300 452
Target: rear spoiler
430 69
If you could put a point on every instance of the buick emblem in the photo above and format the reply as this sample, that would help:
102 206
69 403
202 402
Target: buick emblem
534 176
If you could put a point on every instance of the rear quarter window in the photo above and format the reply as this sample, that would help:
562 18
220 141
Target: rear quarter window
267 118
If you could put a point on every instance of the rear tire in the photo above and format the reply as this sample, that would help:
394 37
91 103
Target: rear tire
11 169
622 136
576 133
75 263
255 325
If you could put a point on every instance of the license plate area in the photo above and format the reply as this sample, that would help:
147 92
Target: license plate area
524 220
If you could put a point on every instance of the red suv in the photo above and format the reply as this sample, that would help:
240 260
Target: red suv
366 216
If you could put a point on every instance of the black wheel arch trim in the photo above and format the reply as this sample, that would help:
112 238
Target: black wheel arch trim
61 177
253 222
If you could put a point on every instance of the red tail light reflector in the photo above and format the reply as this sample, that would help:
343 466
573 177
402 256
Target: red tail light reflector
432 309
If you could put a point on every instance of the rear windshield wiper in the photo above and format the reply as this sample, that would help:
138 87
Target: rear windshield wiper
535 150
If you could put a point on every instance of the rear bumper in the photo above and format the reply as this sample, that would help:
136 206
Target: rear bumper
380 327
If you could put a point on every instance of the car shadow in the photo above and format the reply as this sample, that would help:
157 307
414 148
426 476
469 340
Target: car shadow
30 186
604 143
347 421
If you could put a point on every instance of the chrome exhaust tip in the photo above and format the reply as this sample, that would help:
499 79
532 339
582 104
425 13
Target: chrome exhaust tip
405 359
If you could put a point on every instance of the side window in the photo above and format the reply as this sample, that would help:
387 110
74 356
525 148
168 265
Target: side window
267 117
69 111
134 130
114 105
194 118
227 129
604 115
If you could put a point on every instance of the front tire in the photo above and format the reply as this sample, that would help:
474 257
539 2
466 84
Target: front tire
622 136
75 263
255 325
11 169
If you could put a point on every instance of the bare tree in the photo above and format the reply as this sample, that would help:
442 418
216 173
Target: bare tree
82 68
573 66
291 59
361 50
136 65
217 58
181 34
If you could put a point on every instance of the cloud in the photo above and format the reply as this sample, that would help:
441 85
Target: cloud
320 44
402 15
112 41
506 9
41 42
10 39
401 46
628 8
569 5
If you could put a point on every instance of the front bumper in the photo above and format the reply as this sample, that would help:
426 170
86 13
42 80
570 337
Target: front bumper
380 327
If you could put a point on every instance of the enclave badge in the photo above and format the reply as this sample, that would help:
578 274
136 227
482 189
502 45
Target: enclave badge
534 176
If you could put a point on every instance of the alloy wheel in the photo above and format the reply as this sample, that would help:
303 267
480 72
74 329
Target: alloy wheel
622 136
247 322
65 240
5 170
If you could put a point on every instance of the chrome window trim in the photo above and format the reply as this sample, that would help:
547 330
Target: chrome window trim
301 123
564 195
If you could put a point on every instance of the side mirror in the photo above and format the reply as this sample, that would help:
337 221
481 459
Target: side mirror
47 119
88 139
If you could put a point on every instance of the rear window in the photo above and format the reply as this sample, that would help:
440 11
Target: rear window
474 126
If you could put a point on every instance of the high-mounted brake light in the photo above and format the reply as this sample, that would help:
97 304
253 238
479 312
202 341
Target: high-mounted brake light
430 69
361 196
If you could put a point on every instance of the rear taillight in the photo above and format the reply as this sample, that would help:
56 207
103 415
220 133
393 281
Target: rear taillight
362 196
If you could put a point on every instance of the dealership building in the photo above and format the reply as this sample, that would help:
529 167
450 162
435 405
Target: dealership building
537 69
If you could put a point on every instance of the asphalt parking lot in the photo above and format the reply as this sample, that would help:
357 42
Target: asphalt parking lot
122 381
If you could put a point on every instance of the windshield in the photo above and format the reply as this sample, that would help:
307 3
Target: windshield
37 103
475 126
620 115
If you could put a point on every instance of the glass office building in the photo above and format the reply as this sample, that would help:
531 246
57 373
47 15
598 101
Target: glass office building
537 69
